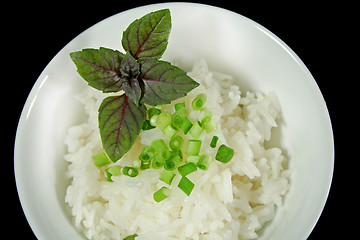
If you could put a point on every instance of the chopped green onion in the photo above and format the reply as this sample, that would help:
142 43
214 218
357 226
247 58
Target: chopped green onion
167 176
193 147
208 124
176 120
108 175
147 125
160 158
176 142
101 159
193 159
147 154
136 163
153 111
196 130
170 131
157 162
113 171
163 120
172 163
153 120
186 185
177 153
204 162
148 148
145 165
131 237
164 154
179 105
178 117
130 171
146 157
187 168
214 141
186 125
224 154
199 102
158 145
161 194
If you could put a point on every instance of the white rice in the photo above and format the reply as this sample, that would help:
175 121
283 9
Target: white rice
229 201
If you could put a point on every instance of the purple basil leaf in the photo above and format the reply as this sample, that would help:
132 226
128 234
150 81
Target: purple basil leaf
99 67
164 82
120 122
148 36
130 70
132 90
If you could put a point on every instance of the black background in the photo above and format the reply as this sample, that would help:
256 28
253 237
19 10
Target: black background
34 33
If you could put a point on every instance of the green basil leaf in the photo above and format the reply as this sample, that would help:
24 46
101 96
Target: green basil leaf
148 36
164 82
120 122
99 67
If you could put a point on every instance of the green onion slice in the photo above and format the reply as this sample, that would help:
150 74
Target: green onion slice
177 153
147 153
178 117
199 102
196 130
163 120
130 171
159 145
224 154
167 176
112 171
193 159
187 168
153 120
172 163
158 161
131 237
101 159
161 194
186 185
186 125
193 147
176 142
208 124
170 131
204 161
136 163
214 141
145 165
179 106
164 154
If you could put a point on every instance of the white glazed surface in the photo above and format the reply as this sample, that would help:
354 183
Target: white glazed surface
230 43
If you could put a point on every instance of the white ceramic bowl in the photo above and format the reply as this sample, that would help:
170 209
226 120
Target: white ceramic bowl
230 43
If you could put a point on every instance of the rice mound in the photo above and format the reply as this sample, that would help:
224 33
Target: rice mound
229 201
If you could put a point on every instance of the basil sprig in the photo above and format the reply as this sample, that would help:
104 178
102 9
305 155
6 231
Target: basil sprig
139 73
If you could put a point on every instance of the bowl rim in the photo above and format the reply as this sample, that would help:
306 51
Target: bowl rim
41 80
